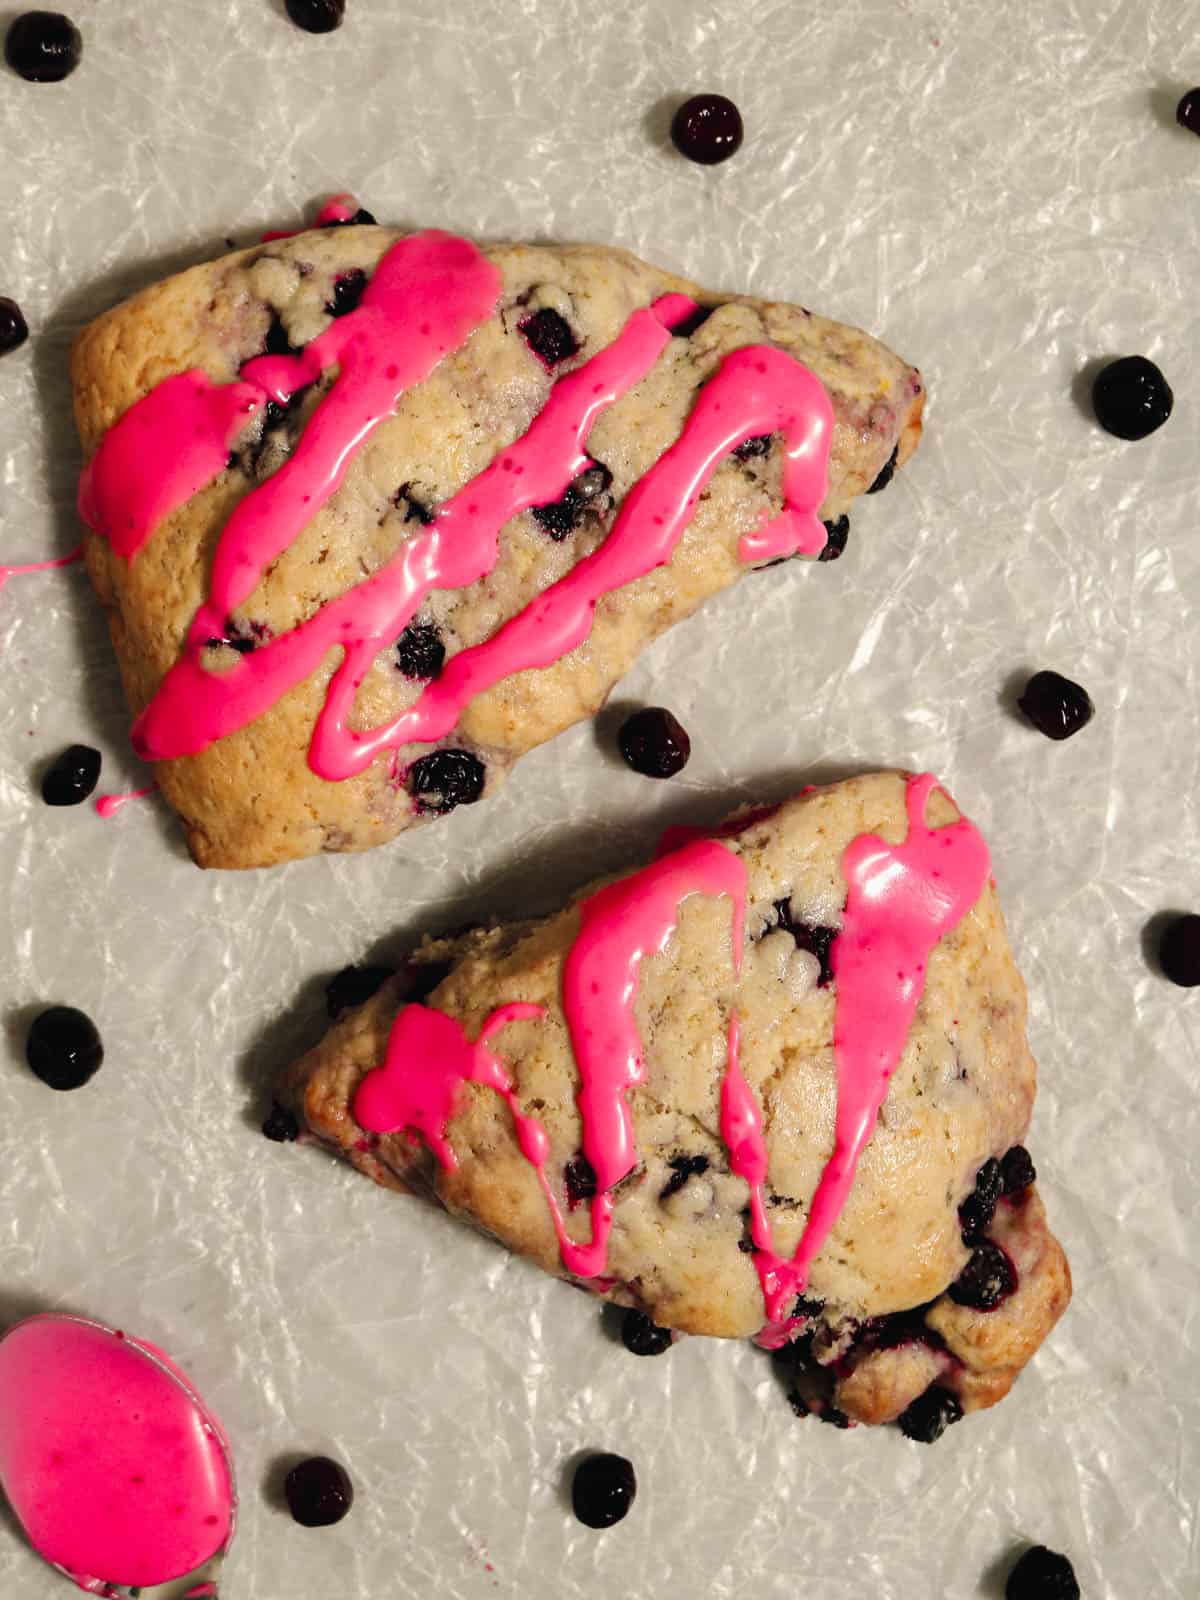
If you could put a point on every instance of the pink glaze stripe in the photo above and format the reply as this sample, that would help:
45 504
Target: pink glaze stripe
901 900
117 1471
194 706
163 451
620 925
427 296
7 572
109 804
429 1056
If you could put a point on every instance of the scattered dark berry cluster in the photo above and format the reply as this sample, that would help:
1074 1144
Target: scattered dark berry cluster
1131 398
63 1047
361 218
682 1168
563 516
318 1492
815 937
758 445
641 1337
420 652
317 16
1179 950
347 292
352 986
1017 1171
978 1209
445 779
579 1180
930 1414
71 776
603 1489
655 743
1055 705
280 1125
987 1280
707 129
886 473
1042 1574
14 330
549 336
836 535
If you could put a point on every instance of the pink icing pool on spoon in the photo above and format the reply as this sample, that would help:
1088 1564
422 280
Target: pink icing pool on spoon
429 1056
116 1469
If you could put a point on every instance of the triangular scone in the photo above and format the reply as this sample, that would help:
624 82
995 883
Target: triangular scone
175 460
935 1273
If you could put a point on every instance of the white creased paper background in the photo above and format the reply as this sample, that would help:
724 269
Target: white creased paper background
1000 192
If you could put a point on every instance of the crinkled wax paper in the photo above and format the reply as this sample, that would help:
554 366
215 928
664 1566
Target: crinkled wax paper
1001 193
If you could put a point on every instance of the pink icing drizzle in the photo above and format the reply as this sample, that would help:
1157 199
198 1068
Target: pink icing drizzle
429 1056
901 900
117 1471
109 804
7 572
427 296
163 450
340 209
194 706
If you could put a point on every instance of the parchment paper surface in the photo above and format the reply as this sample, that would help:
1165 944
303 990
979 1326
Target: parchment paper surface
1001 193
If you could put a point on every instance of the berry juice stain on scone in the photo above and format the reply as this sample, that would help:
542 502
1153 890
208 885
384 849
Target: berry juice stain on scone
573 478
669 1094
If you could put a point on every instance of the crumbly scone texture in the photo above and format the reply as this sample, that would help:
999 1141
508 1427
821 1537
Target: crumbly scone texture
251 799
962 1093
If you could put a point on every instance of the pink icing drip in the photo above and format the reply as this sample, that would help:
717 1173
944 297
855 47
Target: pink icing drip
160 453
733 406
109 804
429 1057
7 572
427 296
901 900
340 209
117 1471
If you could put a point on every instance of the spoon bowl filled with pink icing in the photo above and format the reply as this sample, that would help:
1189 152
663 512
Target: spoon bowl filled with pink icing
115 1468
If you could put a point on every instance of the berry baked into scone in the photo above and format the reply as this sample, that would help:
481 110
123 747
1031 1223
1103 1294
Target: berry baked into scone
773 1085
374 514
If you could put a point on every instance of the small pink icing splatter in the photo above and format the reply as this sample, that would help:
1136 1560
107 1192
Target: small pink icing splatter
109 804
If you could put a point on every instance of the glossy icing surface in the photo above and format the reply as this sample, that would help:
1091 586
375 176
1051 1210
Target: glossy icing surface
117 1471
